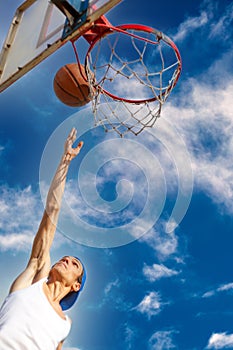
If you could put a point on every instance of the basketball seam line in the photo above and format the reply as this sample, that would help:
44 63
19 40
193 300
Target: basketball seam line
76 81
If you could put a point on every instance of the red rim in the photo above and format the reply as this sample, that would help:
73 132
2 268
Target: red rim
142 28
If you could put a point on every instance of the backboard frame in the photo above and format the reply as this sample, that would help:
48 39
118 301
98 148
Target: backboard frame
92 17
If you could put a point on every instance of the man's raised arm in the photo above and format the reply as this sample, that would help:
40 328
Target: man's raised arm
39 262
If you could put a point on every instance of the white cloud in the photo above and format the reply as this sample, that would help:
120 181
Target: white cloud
111 285
205 118
129 335
21 211
215 24
220 341
161 340
20 215
208 294
164 244
150 305
221 26
207 127
189 25
222 288
16 241
205 112
156 271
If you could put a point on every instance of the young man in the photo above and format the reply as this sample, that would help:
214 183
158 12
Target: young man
31 317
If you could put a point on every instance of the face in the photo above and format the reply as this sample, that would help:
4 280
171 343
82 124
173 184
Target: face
69 268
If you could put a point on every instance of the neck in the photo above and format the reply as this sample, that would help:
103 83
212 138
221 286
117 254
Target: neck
54 293
56 290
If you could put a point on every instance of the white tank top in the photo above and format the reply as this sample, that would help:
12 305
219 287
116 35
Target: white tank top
29 322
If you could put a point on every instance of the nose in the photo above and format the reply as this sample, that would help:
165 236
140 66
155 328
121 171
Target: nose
66 260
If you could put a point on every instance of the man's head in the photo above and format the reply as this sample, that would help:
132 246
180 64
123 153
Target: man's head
72 269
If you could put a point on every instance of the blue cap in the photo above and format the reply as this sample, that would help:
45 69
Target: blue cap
68 301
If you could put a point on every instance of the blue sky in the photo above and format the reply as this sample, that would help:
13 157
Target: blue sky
157 290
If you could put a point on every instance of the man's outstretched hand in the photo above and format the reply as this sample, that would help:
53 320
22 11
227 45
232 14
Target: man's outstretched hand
69 151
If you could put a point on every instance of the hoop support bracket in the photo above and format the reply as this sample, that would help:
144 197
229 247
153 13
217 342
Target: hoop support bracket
75 12
100 26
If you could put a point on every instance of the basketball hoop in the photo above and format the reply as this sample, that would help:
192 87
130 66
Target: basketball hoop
135 68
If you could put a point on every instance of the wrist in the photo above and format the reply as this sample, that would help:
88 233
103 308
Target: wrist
66 158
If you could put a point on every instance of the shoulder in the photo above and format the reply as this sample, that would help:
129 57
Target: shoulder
22 283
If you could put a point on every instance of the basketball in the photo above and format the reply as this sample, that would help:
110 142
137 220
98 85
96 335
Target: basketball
71 86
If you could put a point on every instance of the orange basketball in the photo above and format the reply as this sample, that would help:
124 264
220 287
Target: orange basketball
71 86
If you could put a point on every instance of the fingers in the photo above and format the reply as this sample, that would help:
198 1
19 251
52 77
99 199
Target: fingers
72 135
80 145
70 141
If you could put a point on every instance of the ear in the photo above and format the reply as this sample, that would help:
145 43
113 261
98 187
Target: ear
76 286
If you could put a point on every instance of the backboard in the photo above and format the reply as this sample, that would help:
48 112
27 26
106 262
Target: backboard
38 30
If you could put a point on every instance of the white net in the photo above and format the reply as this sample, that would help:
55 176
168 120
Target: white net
132 72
